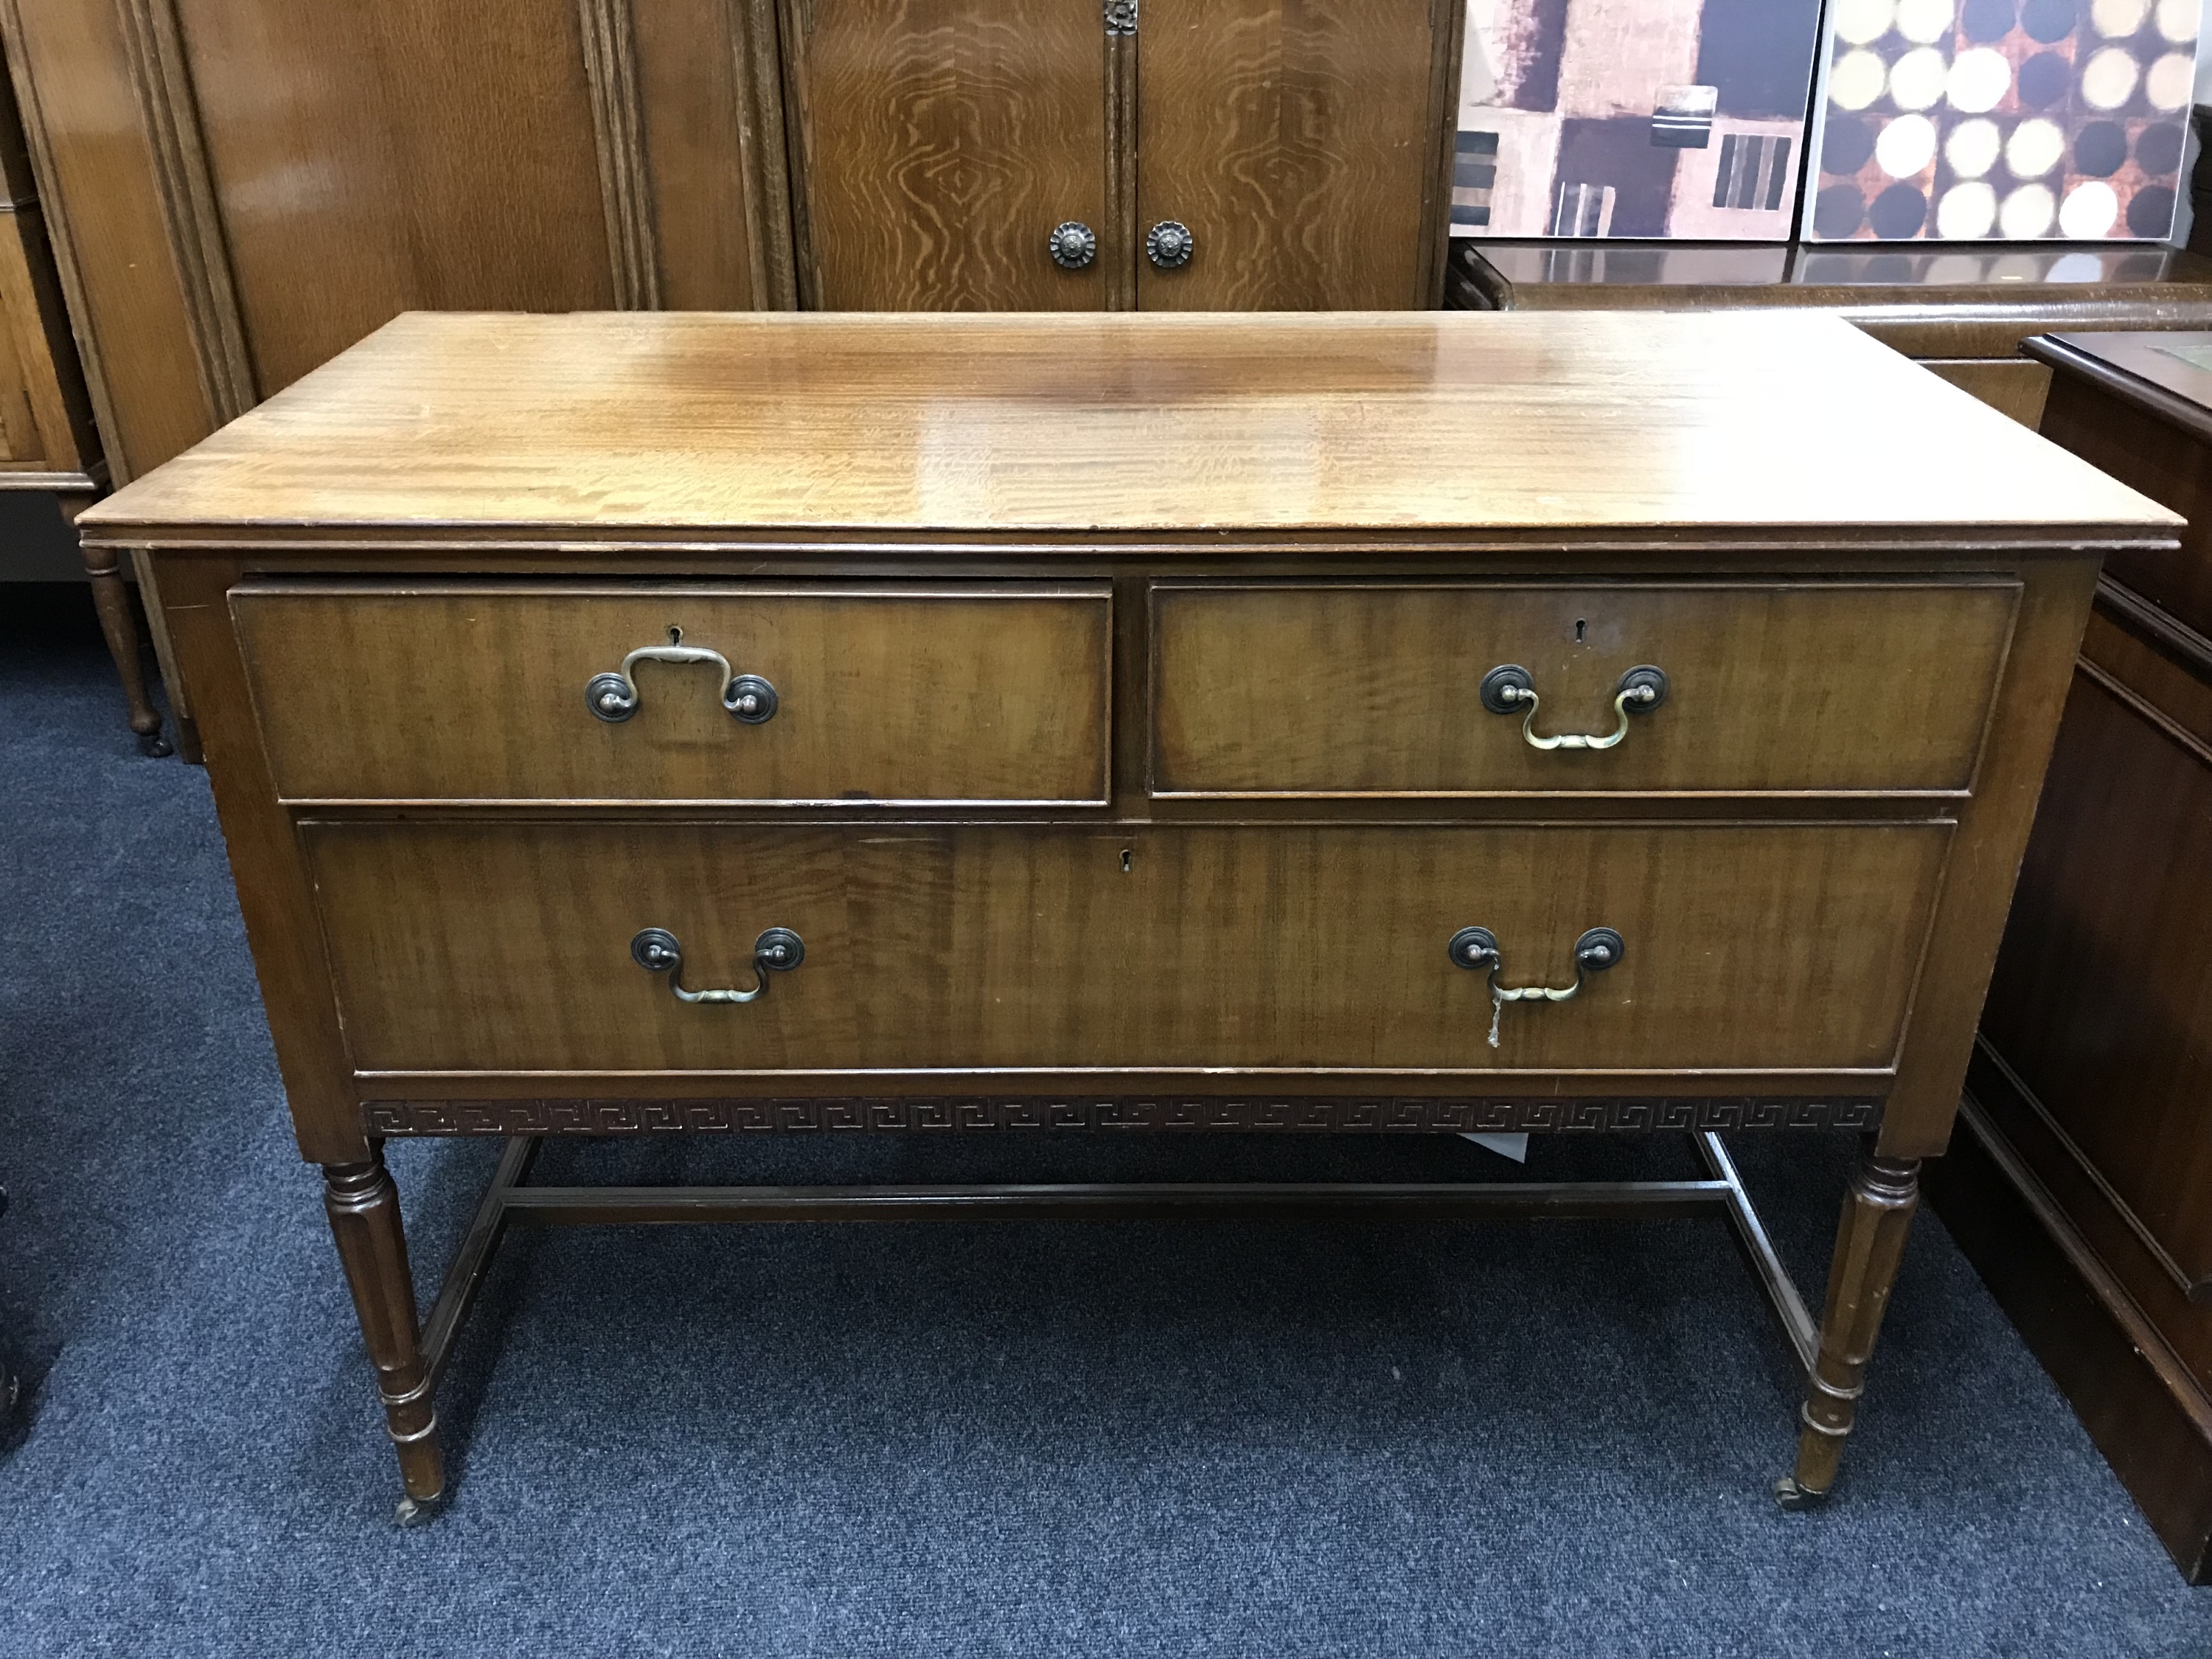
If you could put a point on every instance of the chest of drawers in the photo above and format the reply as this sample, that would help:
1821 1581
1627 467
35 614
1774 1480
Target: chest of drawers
631 723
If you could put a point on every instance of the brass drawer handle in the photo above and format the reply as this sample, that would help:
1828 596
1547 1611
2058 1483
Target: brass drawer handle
1510 689
613 698
1476 950
778 950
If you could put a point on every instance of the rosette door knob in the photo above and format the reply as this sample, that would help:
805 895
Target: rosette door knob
1073 245
1169 245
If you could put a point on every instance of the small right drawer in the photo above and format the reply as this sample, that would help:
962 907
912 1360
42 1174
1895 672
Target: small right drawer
1370 689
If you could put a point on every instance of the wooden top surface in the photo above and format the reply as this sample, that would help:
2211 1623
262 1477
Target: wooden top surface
2178 361
614 425
1859 276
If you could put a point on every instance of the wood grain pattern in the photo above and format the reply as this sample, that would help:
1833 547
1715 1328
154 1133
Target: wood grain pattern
1374 690
475 948
941 141
2165 464
1984 864
900 693
412 153
1023 424
1298 144
168 107
2104 989
764 160
609 52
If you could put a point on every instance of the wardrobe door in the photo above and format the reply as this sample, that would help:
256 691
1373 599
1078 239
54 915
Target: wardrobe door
940 145
1300 145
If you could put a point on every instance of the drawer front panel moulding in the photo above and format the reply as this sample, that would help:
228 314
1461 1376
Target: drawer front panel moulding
1036 948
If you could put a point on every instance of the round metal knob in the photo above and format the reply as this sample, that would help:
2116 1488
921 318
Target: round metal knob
750 698
1073 246
1473 947
1598 950
1169 245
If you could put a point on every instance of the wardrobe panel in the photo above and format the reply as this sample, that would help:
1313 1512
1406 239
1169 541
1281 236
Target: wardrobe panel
942 141
1300 144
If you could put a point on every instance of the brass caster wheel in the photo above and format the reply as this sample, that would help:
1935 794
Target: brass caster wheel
1792 1497
417 1511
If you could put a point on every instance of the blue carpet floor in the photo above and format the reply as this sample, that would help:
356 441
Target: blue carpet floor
1388 1438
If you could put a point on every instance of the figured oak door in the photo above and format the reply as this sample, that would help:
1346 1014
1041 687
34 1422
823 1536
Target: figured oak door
1300 145
941 142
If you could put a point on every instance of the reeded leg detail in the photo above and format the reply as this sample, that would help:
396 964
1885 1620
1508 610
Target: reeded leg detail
364 1212
113 600
1869 1246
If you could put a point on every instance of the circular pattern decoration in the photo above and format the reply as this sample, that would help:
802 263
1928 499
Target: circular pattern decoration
1965 212
1837 211
1846 145
2158 149
2027 213
1987 19
1906 146
2076 268
2177 21
2043 79
1898 213
2088 211
1926 20
1855 80
2100 149
2036 146
1863 22
2170 81
2049 21
1971 149
1916 80
2116 20
2150 213
1980 78
2108 79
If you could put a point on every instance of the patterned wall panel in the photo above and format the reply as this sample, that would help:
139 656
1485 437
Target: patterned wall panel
2009 120
1633 118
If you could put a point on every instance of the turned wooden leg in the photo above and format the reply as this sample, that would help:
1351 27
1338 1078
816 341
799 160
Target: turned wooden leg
364 1210
113 600
1869 1246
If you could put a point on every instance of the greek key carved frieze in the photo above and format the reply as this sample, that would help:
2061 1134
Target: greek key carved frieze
1351 1113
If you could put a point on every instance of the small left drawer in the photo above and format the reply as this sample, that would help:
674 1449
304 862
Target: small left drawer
769 694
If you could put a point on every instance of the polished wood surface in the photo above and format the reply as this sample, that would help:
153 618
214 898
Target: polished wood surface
752 425
1963 311
942 141
1300 144
439 957
1122 949
890 693
2096 1155
1375 690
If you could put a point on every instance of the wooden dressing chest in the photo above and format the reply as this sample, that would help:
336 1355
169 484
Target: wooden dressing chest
630 723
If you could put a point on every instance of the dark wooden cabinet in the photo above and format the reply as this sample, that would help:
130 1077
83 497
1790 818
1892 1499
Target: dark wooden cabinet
2082 1188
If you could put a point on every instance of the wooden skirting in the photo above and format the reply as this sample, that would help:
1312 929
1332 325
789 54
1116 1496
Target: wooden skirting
2141 1408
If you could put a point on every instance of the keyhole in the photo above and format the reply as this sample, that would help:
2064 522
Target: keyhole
1582 628
1125 857
676 634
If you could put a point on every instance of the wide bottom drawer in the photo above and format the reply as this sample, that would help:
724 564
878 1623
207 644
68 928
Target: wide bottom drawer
473 947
